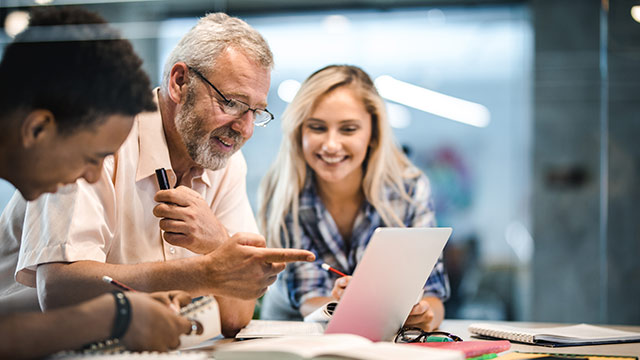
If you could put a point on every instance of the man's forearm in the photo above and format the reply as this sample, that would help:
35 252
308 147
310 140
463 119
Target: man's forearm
61 284
58 284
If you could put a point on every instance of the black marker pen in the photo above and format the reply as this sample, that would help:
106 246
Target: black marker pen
163 180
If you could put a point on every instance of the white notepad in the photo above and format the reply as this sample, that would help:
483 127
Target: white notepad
323 313
204 310
572 335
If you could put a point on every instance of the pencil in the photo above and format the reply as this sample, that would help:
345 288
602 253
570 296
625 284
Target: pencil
329 268
117 283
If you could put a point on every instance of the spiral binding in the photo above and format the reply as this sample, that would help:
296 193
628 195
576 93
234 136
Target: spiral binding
196 305
486 330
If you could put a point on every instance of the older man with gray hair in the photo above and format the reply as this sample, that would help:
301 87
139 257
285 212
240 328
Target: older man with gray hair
200 235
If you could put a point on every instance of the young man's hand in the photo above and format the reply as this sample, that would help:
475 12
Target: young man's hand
154 325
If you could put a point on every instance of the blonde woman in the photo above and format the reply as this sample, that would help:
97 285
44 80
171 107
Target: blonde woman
338 176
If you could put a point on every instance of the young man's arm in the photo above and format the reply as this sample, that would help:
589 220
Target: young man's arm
153 326
240 270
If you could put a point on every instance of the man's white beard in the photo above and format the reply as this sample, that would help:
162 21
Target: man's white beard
198 143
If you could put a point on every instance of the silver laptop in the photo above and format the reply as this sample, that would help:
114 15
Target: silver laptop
386 284
388 281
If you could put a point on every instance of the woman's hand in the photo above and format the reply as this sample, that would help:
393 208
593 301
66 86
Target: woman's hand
421 316
339 287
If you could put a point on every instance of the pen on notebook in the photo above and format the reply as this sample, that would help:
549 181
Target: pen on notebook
329 268
163 180
117 284
124 287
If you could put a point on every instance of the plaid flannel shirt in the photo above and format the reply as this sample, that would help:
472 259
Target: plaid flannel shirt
320 235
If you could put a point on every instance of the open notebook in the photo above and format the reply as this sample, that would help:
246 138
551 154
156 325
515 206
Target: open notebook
333 346
572 335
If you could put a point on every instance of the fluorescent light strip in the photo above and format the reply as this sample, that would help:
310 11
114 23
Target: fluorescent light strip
24 3
126 30
446 106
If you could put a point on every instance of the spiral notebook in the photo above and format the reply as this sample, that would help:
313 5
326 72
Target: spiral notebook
573 335
204 310
323 313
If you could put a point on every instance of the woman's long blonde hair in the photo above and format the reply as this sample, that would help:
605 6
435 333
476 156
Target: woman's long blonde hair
386 163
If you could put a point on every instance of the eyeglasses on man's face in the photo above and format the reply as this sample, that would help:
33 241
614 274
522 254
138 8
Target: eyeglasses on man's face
417 335
237 108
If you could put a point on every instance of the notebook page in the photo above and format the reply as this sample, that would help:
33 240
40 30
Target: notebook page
302 346
388 350
503 332
584 332
273 328
206 312
332 346
560 334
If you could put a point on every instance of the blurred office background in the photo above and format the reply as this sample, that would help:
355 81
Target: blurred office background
524 114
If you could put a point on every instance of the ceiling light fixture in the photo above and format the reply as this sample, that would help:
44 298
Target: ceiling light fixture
16 22
635 13
433 102
287 90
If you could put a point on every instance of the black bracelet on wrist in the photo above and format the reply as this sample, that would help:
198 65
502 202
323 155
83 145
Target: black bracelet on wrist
123 315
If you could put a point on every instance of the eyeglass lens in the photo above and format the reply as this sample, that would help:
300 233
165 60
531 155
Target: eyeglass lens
418 335
237 108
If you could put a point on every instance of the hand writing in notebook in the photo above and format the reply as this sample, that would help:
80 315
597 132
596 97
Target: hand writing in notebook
421 314
174 299
153 324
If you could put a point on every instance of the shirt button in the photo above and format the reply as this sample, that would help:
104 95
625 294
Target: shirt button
172 250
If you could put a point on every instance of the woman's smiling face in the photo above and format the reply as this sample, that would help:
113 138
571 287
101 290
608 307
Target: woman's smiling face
336 136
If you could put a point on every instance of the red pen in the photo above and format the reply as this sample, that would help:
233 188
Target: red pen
117 284
329 268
